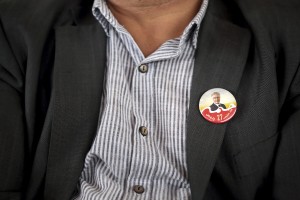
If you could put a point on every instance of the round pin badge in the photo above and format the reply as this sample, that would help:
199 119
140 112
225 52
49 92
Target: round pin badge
217 105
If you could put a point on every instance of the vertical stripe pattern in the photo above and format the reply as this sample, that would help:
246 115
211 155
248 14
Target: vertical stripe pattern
121 157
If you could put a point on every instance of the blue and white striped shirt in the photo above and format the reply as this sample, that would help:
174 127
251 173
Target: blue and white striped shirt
125 160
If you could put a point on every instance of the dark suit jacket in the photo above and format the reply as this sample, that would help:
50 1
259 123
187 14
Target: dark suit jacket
214 107
52 62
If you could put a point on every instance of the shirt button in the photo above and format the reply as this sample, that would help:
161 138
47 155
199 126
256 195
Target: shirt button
143 68
143 130
138 189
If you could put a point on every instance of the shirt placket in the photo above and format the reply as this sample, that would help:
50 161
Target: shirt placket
144 161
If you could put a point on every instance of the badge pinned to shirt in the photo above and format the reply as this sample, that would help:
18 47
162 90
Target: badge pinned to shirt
217 105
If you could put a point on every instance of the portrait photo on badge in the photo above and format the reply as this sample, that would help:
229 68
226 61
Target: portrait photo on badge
217 105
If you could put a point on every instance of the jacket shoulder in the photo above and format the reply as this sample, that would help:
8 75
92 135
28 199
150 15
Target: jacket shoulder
278 20
32 12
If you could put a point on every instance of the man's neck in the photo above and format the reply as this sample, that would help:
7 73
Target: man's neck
152 22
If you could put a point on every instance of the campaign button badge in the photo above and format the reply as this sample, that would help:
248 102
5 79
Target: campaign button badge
217 105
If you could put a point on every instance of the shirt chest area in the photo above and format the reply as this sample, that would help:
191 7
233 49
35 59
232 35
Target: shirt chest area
142 122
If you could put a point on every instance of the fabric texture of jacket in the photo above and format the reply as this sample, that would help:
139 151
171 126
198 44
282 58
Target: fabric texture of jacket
52 62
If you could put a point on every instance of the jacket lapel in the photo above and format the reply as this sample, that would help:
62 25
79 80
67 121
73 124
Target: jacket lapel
219 63
80 60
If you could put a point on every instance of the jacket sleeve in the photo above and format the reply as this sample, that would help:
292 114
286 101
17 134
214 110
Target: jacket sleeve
287 163
12 123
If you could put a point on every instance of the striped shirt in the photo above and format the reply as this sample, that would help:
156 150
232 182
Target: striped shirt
139 151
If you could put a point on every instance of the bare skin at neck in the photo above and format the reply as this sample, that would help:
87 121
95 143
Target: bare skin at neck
153 22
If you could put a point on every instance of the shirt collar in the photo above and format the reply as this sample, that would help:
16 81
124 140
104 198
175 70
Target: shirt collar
103 14
105 17
192 29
